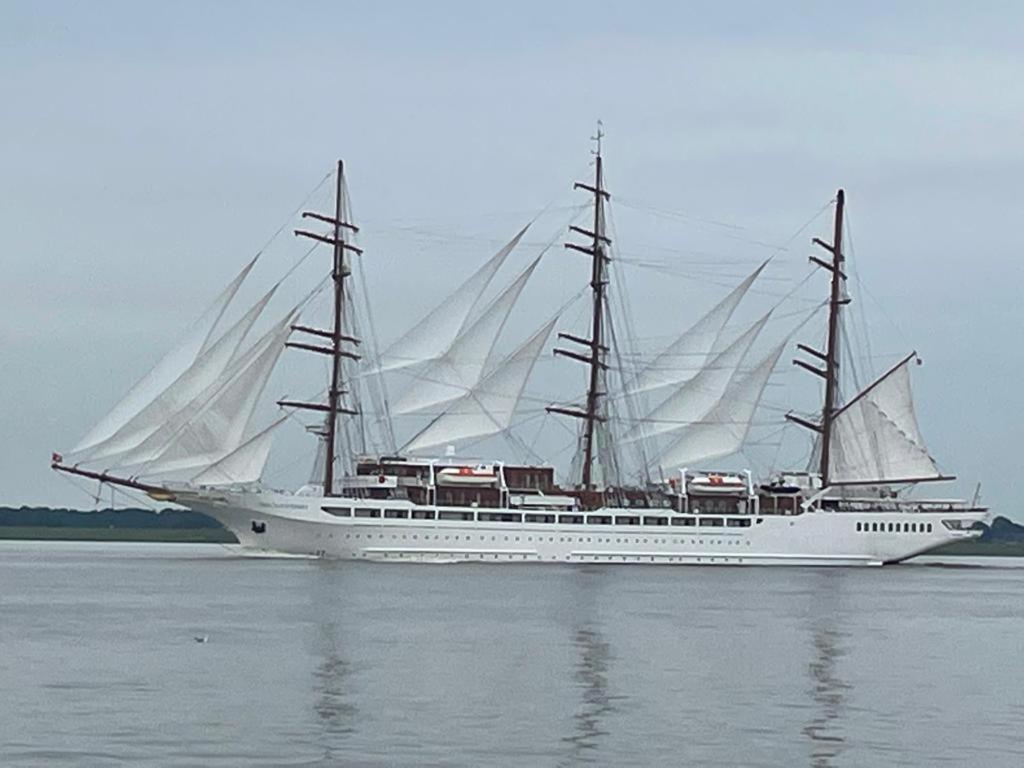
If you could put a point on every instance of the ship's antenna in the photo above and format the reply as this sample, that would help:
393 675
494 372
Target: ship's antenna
339 272
595 346
830 357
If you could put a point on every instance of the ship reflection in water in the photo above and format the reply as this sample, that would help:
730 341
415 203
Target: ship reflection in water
827 689
595 701
335 712
593 661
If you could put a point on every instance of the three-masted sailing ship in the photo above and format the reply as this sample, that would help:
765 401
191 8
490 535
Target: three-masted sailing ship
185 433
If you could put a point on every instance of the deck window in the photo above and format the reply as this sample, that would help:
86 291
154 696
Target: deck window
627 520
447 515
540 518
858 527
570 519
684 521
712 522
367 512
599 520
736 522
499 517
396 514
929 527
423 514
338 511
655 521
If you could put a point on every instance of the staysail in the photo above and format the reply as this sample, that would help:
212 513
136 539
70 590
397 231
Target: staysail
243 465
724 429
189 385
489 407
461 366
169 368
692 401
432 335
200 427
685 356
875 436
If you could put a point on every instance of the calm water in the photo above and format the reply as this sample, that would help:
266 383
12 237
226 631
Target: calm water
311 663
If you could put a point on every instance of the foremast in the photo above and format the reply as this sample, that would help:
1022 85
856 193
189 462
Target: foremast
336 336
595 348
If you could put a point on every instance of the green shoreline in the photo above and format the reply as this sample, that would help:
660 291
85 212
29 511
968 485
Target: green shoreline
222 536
165 535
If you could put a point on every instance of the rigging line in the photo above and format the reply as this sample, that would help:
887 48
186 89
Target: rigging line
295 213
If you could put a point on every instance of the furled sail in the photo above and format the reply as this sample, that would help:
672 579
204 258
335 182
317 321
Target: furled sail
189 385
724 429
875 437
459 369
691 402
432 335
169 368
487 408
244 464
690 351
211 425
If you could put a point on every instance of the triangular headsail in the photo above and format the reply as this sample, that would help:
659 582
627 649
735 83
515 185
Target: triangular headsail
460 368
488 408
202 427
189 385
243 465
169 368
432 335
686 356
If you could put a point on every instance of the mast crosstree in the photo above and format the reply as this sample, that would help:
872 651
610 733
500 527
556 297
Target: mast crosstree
335 351
830 357
596 349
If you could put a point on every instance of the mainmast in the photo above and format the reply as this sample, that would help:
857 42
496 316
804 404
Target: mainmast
336 336
830 373
594 357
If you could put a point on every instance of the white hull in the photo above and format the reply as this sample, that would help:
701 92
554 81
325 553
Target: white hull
299 525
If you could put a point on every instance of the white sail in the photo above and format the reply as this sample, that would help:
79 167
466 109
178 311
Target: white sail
488 408
218 427
268 346
724 429
692 401
189 385
687 354
460 368
172 365
432 335
875 437
244 464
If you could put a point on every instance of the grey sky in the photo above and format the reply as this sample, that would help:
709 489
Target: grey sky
148 152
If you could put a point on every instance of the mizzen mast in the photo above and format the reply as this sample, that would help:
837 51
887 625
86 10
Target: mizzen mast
595 347
336 335
830 357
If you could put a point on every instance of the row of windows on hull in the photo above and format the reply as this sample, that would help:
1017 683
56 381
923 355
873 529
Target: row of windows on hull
894 527
516 517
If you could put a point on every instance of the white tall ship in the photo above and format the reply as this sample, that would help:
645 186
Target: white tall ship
186 434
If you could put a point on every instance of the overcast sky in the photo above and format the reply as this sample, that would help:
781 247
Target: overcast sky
150 149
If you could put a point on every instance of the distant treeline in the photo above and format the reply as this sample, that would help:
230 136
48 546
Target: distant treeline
164 519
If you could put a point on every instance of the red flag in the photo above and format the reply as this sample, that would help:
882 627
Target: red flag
56 458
